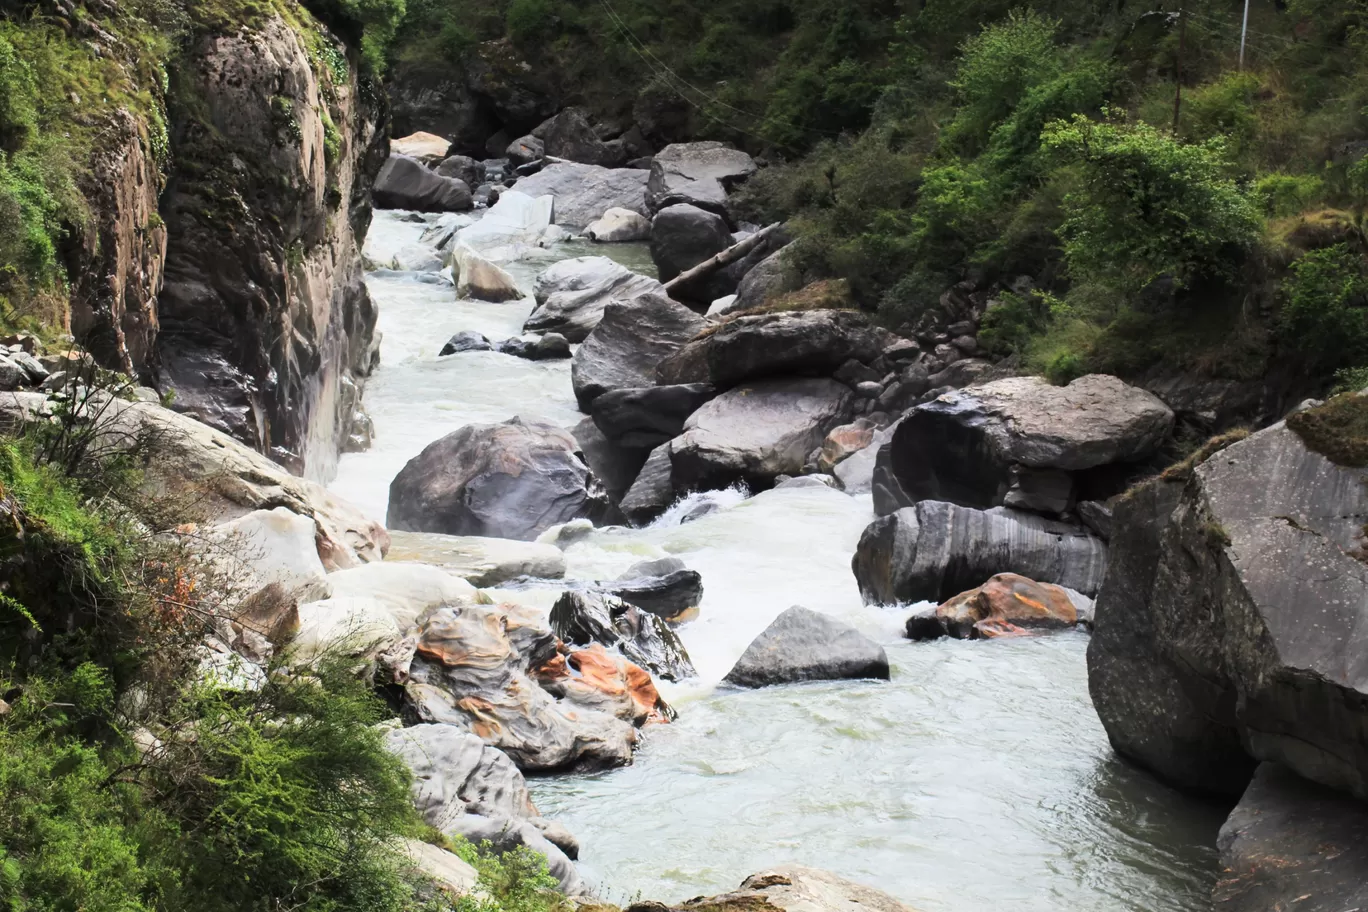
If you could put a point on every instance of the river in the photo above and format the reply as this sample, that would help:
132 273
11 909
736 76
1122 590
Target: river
978 779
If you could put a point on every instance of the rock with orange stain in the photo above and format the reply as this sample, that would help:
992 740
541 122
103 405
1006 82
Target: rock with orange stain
473 668
602 680
1008 604
583 618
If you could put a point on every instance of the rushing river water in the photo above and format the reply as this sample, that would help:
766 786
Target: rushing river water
978 779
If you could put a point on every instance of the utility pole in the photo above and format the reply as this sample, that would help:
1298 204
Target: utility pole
1244 30
1178 69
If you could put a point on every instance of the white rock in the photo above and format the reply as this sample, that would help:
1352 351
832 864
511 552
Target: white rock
619 226
406 589
482 280
272 546
447 870
510 229
721 306
350 626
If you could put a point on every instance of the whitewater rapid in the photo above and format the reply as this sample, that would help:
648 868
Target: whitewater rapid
978 778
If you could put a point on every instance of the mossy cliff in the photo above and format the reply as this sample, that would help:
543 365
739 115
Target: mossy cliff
186 191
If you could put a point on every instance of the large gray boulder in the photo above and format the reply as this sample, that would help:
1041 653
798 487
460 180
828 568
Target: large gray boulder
648 416
754 433
1233 621
1293 844
699 174
631 337
572 294
805 645
934 551
807 343
510 480
583 193
406 183
1018 441
463 168
683 236
614 465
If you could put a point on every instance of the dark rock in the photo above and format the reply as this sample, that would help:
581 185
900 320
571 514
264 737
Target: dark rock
771 277
753 434
569 136
653 491
545 347
630 340
525 151
612 463
1097 515
436 98
811 343
960 373
642 637
698 174
664 587
405 183
1293 844
511 480
572 294
463 168
936 550
465 341
964 445
683 236
804 645
648 416
1233 616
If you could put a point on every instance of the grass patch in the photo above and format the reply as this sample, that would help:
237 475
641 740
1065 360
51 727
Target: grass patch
1337 430
1181 471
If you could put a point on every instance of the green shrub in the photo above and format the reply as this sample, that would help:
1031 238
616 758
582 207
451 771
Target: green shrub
514 881
997 67
1325 308
1147 205
531 22
1286 195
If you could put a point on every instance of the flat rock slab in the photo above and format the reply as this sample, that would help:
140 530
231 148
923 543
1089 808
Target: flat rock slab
483 562
700 174
1291 844
806 645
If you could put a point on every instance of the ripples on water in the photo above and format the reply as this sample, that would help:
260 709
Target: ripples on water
978 779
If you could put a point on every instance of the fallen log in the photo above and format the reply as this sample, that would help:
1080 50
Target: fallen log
725 258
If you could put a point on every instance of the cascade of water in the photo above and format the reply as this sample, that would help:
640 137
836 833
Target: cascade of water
978 778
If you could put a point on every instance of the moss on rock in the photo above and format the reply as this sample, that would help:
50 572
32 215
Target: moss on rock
1337 430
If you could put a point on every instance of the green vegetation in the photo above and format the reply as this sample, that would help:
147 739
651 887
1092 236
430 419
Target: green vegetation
133 780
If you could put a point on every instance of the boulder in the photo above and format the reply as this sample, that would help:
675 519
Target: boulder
456 773
472 669
513 480
405 183
12 376
427 148
1007 605
698 174
465 341
441 234
648 416
569 136
805 645
463 168
510 229
653 491
407 590
809 343
856 472
1231 624
683 236
629 340
351 626
664 587
605 682
584 193
226 479
267 546
619 226
537 347
935 550
482 280
505 836
844 442
773 276
524 151
1017 441
584 618
754 433
1293 844
572 294
482 561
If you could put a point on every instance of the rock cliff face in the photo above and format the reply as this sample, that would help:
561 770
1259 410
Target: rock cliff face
266 327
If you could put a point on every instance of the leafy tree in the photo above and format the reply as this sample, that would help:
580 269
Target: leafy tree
1325 309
